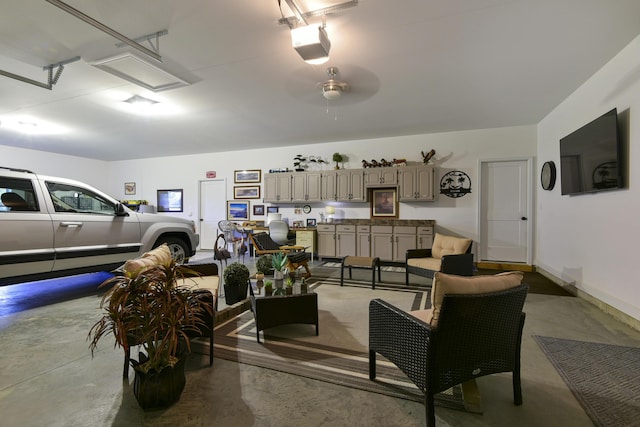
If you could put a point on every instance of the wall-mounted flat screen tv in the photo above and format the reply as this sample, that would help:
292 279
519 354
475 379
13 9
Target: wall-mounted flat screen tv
170 200
590 157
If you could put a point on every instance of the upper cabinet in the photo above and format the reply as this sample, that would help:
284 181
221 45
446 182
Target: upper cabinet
381 177
328 190
306 186
350 185
277 187
416 184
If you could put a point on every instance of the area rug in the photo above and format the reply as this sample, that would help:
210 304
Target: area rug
604 378
339 354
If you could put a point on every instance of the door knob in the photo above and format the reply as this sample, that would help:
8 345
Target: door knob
524 218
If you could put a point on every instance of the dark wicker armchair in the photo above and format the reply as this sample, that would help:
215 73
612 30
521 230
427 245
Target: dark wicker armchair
475 335
451 255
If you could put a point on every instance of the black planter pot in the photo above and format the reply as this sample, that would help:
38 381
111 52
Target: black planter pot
234 294
157 390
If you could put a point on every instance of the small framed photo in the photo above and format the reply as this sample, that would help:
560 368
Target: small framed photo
298 224
258 210
237 210
129 188
311 222
247 176
246 192
384 203
272 209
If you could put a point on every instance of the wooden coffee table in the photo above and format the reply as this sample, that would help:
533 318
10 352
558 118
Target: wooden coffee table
271 311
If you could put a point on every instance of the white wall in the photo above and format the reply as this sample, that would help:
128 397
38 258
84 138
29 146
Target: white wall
93 172
591 240
454 151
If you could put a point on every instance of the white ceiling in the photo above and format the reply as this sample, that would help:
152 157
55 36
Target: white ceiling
414 66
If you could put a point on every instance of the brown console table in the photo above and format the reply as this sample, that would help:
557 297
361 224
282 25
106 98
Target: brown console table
271 311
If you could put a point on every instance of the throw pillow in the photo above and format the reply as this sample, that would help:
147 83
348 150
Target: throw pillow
451 284
449 245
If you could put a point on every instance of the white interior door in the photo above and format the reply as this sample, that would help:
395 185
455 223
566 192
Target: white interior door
213 208
505 226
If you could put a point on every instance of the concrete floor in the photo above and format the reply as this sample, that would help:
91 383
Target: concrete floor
48 378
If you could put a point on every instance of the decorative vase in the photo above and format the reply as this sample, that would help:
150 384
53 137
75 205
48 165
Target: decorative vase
278 275
157 390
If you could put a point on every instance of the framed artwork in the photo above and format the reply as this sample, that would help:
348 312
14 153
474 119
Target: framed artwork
258 209
170 200
129 188
298 224
311 222
237 210
247 176
246 192
272 209
384 203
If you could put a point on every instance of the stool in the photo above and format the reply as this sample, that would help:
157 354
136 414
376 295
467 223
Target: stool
361 262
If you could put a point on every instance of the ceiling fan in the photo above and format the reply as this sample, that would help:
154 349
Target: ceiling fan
333 88
362 85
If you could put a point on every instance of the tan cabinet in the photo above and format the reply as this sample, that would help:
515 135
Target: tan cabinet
345 240
306 186
350 185
328 186
416 184
363 240
404 238
326 240
382 242
381 177
277 187
425 237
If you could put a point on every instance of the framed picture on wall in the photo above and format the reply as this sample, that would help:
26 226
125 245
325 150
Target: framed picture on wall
129 188
247 176
272 209
384 203
237 210
246 192
258 210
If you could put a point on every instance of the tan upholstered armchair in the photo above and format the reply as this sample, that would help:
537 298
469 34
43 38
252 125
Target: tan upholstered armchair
473 329
448 254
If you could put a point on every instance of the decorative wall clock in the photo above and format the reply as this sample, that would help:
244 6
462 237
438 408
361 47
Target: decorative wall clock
548 175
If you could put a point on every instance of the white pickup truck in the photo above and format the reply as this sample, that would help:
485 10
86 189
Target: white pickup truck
53 227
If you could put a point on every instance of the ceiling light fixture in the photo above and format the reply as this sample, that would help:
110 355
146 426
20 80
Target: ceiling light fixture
139 71
333 88
138 100
312 43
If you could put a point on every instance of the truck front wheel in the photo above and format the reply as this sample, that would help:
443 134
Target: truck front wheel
178 248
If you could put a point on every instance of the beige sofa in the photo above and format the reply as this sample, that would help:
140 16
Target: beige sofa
448 254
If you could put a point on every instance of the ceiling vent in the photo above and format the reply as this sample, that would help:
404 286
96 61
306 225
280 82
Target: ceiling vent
136 70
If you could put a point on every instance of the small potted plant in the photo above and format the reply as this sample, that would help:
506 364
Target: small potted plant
268 287
279 262
264 264
337 157
236 282
289 286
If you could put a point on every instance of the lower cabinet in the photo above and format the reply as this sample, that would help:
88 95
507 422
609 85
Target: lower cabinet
307 238
326 240
382 242
363 240
387 242
345 240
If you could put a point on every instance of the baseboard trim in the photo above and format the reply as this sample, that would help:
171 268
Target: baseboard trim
603 306
505 266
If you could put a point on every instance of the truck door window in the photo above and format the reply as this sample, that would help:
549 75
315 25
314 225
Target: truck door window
69 198
22 198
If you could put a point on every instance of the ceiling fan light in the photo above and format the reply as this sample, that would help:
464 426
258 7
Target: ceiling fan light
331 93
311 43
